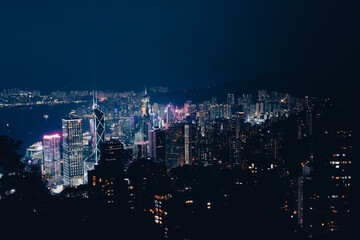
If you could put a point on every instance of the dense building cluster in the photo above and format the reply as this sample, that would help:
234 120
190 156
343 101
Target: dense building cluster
190 169
19 97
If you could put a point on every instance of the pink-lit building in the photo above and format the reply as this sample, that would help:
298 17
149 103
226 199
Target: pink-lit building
52 160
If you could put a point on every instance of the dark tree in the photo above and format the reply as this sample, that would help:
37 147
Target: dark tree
9 158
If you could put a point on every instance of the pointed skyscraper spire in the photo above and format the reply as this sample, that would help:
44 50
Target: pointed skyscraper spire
93 102
145 91
96 99
94 106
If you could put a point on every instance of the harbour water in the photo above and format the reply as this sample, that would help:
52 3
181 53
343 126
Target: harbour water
30 123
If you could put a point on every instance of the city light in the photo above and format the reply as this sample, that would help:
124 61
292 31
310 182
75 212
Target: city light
56 135
179 120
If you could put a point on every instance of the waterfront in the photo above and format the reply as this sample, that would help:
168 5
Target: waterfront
28 124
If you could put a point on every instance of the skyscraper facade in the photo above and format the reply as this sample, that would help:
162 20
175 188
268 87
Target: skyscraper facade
106 181
145 116
221 141
187 143
175 144
99 133
52 160
73 152
141 149
157 145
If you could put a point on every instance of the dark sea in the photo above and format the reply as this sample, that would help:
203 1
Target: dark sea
28 124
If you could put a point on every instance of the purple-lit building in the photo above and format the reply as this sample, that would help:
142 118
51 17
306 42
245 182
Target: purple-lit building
51 160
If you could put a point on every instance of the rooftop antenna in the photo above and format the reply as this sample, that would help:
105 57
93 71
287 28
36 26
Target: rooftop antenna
145 91
94 99
93 103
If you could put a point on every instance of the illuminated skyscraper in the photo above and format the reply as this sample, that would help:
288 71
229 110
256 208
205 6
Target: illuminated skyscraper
337 177
73 152
161 205
143 127
97 126
325 187
187 108
221 141
99 133
145 106
89 152
187 143
235 140
52 160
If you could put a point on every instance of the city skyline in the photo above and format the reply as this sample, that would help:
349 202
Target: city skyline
179 120
147 145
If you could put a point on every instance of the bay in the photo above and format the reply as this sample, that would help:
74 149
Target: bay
29 123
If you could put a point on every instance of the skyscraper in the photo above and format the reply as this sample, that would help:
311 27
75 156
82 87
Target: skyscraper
235 140
145 106
112 152
73 152
143 125
97 124
106 181
157 145
51 160
187 142
175 144
187 108
141 149
99 132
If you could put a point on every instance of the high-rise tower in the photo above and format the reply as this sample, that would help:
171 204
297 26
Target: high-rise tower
157 145
99 130
175 145
51 160
106 181
145 106
144 119
73 152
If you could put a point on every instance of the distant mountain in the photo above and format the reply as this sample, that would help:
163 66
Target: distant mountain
298 84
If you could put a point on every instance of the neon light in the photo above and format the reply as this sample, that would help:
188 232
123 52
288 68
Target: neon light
51 136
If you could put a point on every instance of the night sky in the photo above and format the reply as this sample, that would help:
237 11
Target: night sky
180 44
